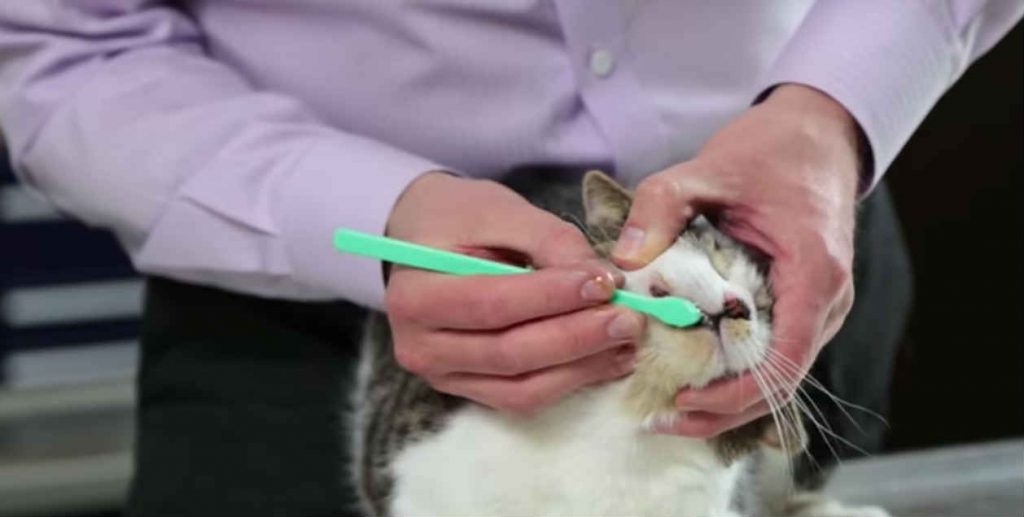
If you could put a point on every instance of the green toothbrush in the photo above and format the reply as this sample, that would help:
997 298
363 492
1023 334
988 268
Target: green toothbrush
671 310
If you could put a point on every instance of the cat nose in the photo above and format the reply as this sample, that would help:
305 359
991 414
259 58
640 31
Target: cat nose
732 308
735 308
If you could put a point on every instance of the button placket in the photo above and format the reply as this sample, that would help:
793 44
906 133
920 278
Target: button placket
595 38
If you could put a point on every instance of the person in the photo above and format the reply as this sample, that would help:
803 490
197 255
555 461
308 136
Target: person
223 141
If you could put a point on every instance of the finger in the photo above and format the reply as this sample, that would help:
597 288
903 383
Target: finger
486 302
662 206
543 236
727 396
797 319
813 295
698 424
837 315
527 393
534 345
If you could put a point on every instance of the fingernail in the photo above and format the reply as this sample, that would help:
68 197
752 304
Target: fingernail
631 241
626 325
618 278
598 288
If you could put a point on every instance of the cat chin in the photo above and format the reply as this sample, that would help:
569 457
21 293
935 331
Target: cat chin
668 418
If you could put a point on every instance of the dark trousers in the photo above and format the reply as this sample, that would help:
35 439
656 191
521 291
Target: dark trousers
241 404
241 399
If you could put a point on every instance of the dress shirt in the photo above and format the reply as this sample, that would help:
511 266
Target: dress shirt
223 140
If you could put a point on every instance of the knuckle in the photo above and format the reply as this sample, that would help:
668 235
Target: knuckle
493 190
443 384
839 272
414 359
561 235
503 357
399 304
573 339
524 400
837 268
656 189
848 299
488 310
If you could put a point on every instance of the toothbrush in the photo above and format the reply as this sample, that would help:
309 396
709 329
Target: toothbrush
671 310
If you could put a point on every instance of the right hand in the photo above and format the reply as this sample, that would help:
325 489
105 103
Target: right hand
511 342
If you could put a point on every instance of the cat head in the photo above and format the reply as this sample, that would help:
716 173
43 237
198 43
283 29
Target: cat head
724 279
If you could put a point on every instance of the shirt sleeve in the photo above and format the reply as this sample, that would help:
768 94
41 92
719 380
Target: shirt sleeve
888 62
112 110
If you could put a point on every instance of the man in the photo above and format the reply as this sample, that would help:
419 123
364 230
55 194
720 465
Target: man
223 141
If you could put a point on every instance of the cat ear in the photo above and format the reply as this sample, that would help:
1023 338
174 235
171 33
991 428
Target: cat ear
606 204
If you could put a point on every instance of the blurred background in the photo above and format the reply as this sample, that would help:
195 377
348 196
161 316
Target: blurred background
69 309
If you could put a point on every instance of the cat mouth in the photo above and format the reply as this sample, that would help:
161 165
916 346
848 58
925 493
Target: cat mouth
733 362
733 308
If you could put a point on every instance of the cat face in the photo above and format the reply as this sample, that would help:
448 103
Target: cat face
706 267
713 272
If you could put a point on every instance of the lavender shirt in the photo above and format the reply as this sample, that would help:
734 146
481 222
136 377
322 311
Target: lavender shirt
223 140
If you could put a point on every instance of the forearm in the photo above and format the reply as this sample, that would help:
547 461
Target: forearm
117 116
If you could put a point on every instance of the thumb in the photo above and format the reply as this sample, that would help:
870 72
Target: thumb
661 209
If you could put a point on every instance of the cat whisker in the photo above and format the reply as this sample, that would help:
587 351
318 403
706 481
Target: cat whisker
774 406
822 426
800 402
785 362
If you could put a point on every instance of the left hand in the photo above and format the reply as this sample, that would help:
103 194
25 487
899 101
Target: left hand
782 177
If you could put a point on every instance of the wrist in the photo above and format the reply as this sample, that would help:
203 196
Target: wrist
405 208
830 124
814 102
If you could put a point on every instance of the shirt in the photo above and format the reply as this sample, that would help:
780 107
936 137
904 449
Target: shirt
224 140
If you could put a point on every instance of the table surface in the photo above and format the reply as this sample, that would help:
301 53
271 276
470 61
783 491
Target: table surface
985 479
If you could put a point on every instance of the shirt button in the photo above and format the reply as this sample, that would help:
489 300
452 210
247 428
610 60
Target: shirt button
601 62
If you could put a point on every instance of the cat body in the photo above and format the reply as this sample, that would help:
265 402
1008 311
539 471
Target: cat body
584 456
421 452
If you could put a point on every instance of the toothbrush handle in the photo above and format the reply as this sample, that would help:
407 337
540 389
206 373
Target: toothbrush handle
416 255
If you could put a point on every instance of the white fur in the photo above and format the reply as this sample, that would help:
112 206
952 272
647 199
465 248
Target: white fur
585 456
687 271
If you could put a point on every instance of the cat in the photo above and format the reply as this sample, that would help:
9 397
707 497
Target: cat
419 452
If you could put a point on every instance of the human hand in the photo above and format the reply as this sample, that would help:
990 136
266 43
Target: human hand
513 342
781 177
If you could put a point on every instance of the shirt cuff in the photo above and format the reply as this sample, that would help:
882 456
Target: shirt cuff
886 62
352 186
